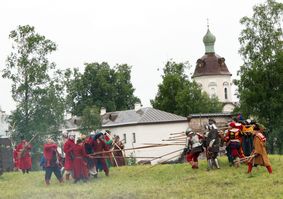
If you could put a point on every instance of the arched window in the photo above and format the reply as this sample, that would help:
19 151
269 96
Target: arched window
225 84
212 92
225 93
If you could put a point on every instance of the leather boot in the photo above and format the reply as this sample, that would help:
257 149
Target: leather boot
196 165
47 182
68 177
269 169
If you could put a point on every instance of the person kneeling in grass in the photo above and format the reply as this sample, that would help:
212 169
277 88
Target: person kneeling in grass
52 163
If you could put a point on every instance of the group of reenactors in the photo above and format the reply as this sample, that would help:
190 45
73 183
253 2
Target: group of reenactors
244 142
83 157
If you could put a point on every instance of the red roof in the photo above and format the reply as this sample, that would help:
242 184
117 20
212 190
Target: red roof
211 64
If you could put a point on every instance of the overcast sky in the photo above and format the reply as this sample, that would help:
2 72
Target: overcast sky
144 34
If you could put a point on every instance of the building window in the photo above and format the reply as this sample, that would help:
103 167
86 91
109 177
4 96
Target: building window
225 84
134 137
213 92
225 93
125 138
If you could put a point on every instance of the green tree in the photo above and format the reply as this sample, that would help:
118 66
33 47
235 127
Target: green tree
91 119
40 104
101 86
177 94
260 84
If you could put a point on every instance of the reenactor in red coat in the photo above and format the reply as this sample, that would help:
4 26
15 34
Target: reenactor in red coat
80 165
69 157
52 161
99 146
24 158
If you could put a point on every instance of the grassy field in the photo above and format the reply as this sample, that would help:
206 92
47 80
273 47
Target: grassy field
162 181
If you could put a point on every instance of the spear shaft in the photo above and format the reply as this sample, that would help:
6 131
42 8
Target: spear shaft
137 148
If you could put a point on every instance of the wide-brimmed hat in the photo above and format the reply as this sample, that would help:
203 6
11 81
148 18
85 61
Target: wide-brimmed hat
97 135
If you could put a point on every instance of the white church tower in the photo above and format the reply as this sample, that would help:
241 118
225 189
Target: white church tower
212 74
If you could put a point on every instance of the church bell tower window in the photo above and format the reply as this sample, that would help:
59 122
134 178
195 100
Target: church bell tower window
225 93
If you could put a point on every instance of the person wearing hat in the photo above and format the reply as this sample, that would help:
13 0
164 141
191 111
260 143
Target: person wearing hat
194 147
24 158
118 151
52 161
68 150
259 155
88 147
233 142
99 147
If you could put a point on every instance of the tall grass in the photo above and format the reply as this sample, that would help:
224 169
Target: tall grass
162 181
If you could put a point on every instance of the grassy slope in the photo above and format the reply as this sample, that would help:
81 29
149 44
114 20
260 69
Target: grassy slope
162 181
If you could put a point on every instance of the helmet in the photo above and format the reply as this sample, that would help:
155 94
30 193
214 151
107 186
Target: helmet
189 131
211 121
72 137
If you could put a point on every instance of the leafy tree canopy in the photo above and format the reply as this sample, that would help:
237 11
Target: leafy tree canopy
101 86
36 85
260 84
177 94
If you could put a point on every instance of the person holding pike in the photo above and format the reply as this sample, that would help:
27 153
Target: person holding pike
24 158
99 148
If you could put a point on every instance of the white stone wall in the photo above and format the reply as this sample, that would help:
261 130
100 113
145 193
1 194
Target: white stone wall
216 84
152 133
4 124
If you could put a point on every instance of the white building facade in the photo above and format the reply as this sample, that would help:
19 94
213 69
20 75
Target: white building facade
4 124
146 126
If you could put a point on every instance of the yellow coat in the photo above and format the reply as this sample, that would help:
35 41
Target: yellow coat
260 150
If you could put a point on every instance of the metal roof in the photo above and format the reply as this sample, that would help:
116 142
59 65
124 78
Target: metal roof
211 64
142 116
210 115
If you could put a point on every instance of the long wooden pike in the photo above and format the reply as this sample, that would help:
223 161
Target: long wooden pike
177 133
179 136
146 169
137 148
165 160
27 144
178 143
112 152
167 154
94 157
244 159
174 139
160 144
